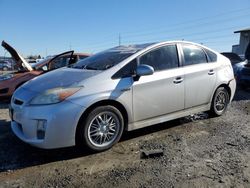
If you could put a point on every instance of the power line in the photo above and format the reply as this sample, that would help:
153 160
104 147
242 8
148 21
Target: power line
246 16
119 43
188 25
178 37
187 22
195 20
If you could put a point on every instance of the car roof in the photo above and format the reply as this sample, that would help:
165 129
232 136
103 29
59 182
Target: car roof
129 48
138 47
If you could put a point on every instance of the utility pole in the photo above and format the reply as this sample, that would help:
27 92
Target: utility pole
119 39
5 51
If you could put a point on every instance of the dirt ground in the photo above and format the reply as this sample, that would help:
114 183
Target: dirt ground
199 151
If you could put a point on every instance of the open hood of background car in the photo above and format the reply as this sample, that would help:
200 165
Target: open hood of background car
20 61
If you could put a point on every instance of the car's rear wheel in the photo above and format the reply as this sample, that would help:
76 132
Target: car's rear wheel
220 102
101 129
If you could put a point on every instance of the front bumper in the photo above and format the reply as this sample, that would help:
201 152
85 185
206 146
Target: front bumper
61 122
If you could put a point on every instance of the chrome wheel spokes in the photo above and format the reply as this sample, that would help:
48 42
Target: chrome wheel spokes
103 129
221 101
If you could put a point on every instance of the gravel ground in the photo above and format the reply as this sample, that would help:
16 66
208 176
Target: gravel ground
198 152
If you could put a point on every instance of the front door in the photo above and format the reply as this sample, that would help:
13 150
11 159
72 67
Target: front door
162 92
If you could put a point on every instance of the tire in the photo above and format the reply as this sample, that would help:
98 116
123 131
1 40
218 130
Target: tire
220 102
5 68
102 128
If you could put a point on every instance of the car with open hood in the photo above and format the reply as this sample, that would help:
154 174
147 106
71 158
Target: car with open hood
5 65
92 103
11 81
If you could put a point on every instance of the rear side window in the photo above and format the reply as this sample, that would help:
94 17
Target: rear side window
193 54
212 57
162 58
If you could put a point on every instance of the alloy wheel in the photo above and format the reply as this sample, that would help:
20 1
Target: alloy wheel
103 129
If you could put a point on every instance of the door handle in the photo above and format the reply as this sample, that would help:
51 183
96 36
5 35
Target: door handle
211 72
178 80
126 89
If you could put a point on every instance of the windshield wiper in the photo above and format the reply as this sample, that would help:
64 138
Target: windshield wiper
90 68
108 66
75 67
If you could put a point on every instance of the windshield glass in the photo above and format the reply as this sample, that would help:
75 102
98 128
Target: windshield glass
102 61
109 58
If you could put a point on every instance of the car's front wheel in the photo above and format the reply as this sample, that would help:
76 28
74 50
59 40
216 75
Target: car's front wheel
101 129
220 102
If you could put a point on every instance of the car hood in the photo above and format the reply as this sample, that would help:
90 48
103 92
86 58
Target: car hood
63 77
20 61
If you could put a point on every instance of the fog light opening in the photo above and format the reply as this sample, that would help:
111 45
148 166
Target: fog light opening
41 128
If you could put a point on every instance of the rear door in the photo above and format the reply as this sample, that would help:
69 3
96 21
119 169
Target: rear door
200 76
162 92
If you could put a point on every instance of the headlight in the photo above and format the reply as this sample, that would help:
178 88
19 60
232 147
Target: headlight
6 77
55 95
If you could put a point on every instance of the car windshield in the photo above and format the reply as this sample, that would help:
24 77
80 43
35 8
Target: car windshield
109 58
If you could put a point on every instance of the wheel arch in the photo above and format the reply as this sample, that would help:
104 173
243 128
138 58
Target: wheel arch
105 102
226 86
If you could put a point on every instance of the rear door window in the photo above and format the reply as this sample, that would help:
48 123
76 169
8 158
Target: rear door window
193 55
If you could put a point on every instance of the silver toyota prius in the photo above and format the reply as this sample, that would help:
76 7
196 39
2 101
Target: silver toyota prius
91 103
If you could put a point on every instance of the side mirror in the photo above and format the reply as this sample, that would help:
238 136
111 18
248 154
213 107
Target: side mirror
143 70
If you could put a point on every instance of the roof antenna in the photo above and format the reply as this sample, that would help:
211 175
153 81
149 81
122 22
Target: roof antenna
119 39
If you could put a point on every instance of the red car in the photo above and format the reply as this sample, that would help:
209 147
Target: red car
11 81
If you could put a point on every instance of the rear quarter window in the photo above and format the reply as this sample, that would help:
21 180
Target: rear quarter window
212 57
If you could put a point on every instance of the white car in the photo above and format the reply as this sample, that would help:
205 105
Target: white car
91 103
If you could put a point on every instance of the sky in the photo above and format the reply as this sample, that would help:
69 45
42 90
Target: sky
46 27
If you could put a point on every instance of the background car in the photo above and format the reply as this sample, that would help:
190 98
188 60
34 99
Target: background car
31 61
5 65
92 103
11 81
241 69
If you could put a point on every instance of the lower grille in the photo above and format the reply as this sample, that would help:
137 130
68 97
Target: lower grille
18 102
